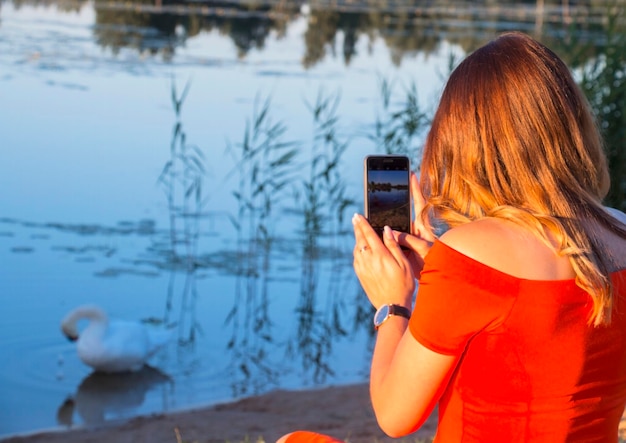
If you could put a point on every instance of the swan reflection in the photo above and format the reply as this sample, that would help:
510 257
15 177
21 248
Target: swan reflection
101 397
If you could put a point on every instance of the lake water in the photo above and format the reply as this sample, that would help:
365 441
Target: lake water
251 266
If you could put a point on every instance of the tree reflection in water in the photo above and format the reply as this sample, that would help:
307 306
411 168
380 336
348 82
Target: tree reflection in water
157 27
267 163
406 26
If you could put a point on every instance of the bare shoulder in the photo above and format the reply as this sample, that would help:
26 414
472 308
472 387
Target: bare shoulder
483 239
509 248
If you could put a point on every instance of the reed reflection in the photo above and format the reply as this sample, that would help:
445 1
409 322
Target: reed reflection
323 204
264 168
182 180
401 122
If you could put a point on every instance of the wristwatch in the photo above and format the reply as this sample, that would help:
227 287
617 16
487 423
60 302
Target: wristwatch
386 311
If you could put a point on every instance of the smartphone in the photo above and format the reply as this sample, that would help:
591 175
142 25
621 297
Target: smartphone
387 196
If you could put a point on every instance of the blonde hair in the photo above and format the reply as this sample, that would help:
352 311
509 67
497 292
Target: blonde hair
513 137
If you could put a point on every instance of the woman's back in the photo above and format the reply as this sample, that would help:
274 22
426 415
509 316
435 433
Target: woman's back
533 368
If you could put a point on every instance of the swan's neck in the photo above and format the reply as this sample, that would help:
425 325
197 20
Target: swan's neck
95 315
92 313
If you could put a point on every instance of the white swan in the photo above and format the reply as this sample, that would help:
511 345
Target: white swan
112 345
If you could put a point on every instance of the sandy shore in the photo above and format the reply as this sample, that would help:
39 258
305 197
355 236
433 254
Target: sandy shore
344 412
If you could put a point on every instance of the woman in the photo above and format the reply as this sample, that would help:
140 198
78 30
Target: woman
518 330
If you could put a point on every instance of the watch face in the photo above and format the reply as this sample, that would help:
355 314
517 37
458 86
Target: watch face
381 315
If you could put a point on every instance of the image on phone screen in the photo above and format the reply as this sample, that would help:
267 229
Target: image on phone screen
387 193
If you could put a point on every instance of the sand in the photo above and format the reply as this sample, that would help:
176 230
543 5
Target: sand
344 412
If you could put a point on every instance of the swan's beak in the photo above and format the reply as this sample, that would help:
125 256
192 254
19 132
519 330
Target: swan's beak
72 338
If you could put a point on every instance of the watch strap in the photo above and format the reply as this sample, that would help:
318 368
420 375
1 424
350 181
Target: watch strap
400 310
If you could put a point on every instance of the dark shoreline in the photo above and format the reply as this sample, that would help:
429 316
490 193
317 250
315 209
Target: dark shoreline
342 411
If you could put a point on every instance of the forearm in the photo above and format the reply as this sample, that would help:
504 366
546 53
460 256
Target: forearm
382 383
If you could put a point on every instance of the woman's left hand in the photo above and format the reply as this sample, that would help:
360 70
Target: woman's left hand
382 268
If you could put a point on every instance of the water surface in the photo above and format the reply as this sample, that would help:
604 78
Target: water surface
90 212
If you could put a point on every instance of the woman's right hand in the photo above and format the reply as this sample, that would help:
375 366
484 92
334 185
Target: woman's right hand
422 237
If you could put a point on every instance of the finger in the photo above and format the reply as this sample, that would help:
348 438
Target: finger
358 236
362 242
393 246
360 249
416 249
364 234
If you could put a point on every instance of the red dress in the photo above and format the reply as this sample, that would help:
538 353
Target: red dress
531 369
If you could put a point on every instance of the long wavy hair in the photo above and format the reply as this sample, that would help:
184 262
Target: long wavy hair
514 137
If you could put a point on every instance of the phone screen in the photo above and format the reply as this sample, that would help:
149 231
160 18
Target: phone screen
387 197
